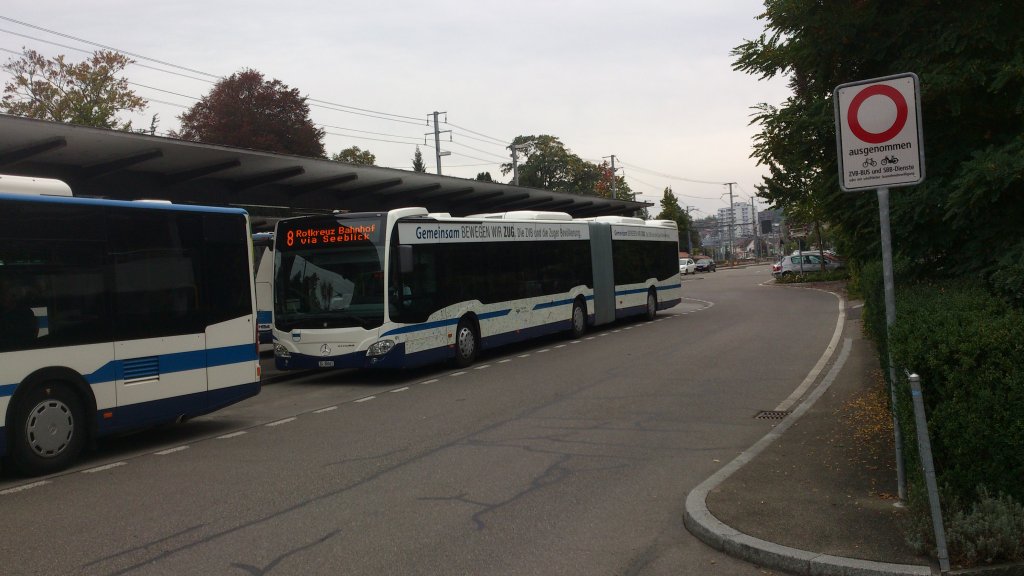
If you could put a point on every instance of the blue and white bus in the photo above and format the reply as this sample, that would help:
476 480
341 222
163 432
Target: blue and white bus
405 288
116 316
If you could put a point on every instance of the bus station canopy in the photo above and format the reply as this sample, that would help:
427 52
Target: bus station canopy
113 164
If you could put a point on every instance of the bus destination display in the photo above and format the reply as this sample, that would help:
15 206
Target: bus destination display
331 234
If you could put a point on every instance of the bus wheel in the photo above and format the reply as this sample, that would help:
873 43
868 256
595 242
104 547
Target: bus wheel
579 318
49 430
466 342
652 304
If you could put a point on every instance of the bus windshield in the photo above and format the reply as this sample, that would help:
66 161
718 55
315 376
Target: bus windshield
329 274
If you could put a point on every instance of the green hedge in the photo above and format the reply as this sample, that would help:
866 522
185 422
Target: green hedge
968 347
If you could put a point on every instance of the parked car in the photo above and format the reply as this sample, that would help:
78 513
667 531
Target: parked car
808 262
705 265
687 266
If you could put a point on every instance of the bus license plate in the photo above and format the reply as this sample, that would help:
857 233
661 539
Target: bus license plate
327 363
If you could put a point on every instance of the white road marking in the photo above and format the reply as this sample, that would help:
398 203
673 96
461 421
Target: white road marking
104 467
279 422
399 389
322 410
232 435
482 366
505 361
431 381
171 450
453 374
25 487
367 399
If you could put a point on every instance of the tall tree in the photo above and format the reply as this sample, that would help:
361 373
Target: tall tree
548 164
88 93
354 155
484 177
417 161
671 210
970 59
248 111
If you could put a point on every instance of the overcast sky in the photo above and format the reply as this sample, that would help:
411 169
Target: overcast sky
648 81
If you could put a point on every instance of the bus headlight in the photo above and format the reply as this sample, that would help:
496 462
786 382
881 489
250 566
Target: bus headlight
280 351
380 347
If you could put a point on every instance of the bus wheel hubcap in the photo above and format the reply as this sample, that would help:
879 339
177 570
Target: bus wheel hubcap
466 343
50 427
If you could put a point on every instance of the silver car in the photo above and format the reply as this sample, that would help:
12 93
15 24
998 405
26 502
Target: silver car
807 262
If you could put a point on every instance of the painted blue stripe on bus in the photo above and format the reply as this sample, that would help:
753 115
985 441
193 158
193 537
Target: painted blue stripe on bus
439 323
642 290
418 327
554 304
176 362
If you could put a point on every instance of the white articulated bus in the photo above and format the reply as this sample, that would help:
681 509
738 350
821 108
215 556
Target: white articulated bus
116 316
406 288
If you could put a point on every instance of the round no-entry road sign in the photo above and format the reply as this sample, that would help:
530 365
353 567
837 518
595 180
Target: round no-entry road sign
878 133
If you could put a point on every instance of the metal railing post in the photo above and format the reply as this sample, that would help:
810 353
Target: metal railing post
924 448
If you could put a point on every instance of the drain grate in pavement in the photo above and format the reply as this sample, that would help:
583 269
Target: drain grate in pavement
772 414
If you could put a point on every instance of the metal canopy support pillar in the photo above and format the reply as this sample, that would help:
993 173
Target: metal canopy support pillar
890 318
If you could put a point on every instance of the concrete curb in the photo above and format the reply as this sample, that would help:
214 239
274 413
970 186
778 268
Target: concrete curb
699 520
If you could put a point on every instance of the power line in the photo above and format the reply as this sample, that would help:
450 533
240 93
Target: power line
669 176
477 149
460 134
322 103
105 47
373 139
497 140
417 138
162 90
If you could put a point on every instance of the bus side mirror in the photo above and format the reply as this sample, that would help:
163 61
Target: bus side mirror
405 259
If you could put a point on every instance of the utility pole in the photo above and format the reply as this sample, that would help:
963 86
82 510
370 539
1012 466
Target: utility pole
515 159
732 222
689 232
437 140
613 173
757 242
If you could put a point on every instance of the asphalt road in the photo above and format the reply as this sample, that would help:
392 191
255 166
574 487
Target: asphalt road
557 457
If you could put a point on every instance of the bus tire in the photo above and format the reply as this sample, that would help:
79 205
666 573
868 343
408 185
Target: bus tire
579 318
49 429
652 304
467 342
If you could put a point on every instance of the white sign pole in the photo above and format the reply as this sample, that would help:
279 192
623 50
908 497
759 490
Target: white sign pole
890 319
